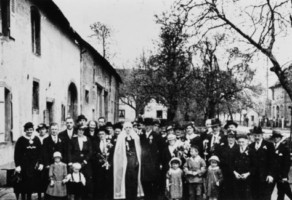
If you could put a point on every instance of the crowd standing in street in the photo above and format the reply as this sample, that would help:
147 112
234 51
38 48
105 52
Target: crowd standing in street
151 160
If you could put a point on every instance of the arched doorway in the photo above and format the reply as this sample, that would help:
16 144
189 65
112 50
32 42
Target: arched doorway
72 101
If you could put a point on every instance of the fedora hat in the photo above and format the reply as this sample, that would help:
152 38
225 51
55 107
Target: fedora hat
257 130
276 134
230 122
148 121
215 122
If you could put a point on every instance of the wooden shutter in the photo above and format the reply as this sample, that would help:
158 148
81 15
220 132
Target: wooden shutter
12 18
0 17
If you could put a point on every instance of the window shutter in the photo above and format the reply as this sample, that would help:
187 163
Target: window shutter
12 17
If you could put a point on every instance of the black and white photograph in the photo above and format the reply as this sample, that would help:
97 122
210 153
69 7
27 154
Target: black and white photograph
145 99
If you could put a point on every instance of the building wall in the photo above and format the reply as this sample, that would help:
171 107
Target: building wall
56 67
280 106
99 83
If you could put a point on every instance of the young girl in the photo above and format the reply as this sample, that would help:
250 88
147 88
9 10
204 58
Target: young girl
76 183
57 173
174 180
214 178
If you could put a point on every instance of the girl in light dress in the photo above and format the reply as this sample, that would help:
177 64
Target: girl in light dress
57 174
174 184
214 178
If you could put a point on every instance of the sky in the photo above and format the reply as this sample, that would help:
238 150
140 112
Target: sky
132 22
134 29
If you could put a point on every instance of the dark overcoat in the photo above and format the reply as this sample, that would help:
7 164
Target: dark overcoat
50 147
150 158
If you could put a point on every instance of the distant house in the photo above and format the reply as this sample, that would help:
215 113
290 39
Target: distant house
247 117
152 110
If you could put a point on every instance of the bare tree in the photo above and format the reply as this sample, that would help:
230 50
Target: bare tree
259 23
103 33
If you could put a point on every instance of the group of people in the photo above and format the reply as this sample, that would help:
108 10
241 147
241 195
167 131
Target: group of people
146 159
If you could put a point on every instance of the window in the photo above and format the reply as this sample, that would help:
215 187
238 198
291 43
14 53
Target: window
36 31
121 113
35 95
5 17
86 96
159 114
106 103
252 118
63 112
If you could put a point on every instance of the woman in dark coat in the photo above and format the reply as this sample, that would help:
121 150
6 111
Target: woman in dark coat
102 166
242 170
28 162
80 151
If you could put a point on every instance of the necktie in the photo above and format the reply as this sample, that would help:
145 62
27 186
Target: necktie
257 145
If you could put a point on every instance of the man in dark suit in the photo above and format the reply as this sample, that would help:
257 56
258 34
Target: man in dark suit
215 141
227 157
282 166
52 144
262 155
66 137
150 160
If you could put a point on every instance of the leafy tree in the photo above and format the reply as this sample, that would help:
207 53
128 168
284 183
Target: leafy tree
218 84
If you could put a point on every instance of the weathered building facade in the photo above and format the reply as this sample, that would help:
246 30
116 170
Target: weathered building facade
44 72
280 103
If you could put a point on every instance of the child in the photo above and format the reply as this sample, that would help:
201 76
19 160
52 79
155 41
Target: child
76 183
174 180
194 168
214 178
57 173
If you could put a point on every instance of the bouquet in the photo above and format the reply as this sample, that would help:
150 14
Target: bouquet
104 155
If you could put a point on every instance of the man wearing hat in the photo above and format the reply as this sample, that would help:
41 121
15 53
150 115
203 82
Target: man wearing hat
282 166
262 155
227 156
150 160
216 140
231 125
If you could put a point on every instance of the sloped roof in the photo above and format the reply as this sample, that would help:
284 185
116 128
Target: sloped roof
56 16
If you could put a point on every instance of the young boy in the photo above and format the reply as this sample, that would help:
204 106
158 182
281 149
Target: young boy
194 168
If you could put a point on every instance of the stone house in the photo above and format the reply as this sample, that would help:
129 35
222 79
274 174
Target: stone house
280 103
44 69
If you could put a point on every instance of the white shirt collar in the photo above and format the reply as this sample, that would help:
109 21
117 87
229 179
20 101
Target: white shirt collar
148 133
